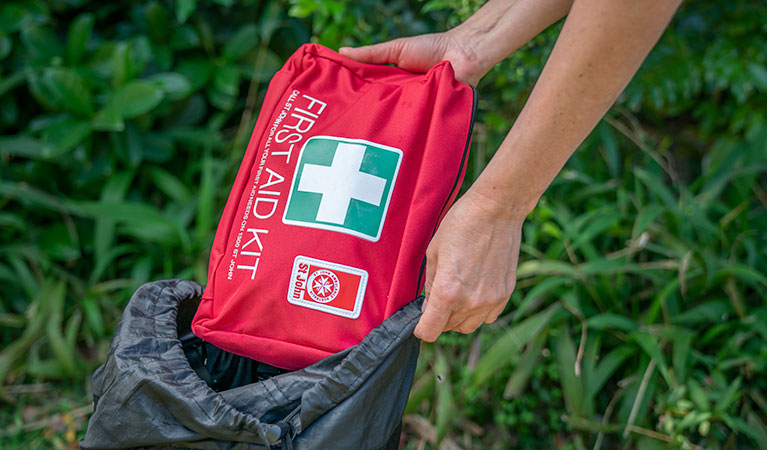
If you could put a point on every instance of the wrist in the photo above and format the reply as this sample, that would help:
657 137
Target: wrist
501 202
462 51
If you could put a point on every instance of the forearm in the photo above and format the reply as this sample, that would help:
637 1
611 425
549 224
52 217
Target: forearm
502 26
601 46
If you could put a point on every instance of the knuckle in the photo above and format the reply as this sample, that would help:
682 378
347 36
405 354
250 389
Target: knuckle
465 329
477 301
452 291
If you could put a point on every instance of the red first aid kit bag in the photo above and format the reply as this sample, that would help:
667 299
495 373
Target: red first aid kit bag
349 170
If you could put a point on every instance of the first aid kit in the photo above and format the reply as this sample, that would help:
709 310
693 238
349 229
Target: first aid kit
349 169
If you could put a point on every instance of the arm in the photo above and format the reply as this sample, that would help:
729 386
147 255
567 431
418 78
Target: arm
474 47
600 48
472 260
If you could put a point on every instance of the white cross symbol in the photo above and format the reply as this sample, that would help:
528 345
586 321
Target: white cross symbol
341 182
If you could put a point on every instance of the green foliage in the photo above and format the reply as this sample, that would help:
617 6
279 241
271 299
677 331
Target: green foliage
118 123
648 244
639 317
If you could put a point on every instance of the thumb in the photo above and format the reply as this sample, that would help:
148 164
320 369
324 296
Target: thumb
433 320
383 53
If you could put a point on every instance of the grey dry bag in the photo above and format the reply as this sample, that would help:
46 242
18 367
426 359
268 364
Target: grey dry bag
148 395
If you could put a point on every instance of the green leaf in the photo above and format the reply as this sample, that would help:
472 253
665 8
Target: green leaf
649 344
6 45
743 273
65 356
10 221
729 397
606 368
596 228
79 33
133 99
546 267
41 44
197 71
645 217
136 98
245 39
174 85
114 191
184 37
50 291
737 424
128 146
227 80
508 345
12 81
65 136
759 430
157 21
572 385
17 15
94 317
657 186
612 322
205 201
67 90
226 85
184 9
423 389
32 197
24 146
108 119
445 409
142 218
681 354
524 368
608 266
708 312
170 185
759 75
610 147
122 63
540 289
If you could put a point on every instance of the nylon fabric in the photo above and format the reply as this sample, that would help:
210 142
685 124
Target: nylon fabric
147 395
348 171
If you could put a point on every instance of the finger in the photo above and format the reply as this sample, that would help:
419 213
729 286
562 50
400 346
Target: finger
460 318
471 323
383 53
431 271
492 316
432 321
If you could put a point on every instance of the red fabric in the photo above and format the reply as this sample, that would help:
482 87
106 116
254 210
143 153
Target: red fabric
260 265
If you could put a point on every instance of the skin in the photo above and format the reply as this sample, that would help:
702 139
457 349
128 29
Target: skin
472 259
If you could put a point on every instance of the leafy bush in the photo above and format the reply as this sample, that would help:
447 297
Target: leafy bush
639 316
640 310
120 123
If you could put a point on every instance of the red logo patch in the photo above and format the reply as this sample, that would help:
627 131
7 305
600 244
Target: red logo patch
329 287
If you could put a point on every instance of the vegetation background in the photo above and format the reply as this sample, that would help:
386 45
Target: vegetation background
639 319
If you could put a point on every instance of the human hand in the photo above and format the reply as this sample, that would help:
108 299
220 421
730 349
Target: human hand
471 266
419 53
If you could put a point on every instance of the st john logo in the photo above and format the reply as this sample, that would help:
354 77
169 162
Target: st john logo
328 287
343 185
